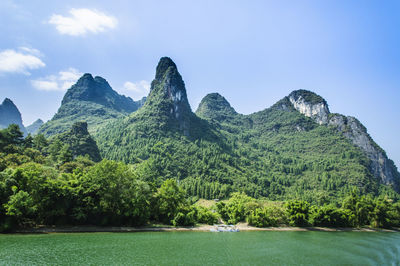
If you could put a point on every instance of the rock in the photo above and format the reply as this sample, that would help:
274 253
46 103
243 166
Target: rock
168 93
315 107
311 105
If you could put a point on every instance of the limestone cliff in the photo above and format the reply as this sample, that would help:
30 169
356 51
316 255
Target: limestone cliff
314 106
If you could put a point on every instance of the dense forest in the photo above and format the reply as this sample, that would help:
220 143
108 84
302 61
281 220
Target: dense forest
104 159
45 183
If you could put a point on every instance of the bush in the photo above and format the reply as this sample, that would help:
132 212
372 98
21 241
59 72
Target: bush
267 216
298 212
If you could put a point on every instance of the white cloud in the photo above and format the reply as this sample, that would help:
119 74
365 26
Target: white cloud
137 90
12 61
83 21
60 82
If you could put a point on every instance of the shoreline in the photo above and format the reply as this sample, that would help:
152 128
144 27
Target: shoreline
199 228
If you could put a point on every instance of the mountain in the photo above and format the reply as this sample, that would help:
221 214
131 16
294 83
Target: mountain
312 105
91 100
215 106
9 114
294 149
34 127
80 142
165 114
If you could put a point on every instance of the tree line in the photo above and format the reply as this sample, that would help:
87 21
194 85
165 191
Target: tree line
43 183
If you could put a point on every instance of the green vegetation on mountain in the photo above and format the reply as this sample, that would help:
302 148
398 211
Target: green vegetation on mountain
160 159
34 127
277 153
91 100
79 142
40 185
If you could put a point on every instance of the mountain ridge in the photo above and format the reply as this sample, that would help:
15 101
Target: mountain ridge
91 100
270 153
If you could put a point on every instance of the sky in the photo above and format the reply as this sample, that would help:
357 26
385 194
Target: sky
252 52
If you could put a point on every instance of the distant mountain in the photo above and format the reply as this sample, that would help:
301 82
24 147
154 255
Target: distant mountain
9 114
294 149
34 127
91 100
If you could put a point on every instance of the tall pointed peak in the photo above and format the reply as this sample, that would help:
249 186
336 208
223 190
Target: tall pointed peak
168 96
9 114
163 65
8 101
169 84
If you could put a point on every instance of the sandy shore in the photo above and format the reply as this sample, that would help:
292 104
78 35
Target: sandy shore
200 228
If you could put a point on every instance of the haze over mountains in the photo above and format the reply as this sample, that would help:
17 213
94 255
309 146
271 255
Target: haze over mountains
294 148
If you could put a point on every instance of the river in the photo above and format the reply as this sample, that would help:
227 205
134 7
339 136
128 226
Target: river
202 248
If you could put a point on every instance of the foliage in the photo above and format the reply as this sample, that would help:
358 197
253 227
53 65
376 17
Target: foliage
298 212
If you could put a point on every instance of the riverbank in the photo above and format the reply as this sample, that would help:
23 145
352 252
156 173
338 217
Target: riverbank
199 228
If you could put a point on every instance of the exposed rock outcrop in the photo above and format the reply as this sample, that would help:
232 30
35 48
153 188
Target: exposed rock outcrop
311 105
314 106
381 166
168 93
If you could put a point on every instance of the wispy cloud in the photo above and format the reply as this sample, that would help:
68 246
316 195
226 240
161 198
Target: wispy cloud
137 90
60 82
82 21
20 61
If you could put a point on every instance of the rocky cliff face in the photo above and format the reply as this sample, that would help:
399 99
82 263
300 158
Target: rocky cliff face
381 166
311 105
168 94
9 114
314 106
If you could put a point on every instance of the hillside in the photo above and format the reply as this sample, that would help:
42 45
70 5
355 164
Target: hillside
289 150
91 100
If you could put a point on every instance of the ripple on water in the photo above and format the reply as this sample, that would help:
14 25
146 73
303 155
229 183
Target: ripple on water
202 248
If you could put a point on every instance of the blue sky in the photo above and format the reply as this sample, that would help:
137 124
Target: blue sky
252 52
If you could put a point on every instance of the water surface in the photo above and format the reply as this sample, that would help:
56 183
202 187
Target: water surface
202 248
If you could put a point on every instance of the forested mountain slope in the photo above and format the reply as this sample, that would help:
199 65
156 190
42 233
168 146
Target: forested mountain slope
285 151
91 100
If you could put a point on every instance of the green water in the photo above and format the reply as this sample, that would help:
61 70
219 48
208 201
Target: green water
202 248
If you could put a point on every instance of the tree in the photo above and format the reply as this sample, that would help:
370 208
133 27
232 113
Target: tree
21 206
170 198
65 154
298 211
